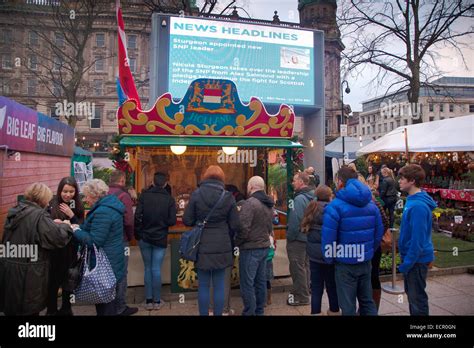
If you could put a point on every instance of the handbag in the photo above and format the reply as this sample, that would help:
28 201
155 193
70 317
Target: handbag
74 273
386 242
189 243
97 284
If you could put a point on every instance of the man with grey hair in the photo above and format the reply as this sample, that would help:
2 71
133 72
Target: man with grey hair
253 241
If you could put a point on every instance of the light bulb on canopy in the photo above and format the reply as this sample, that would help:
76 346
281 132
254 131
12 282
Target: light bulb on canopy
229 150
178 149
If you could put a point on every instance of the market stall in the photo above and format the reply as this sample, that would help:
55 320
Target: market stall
445 150
36 148
210 125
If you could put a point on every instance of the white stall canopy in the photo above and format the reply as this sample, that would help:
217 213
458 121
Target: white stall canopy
454 134
351 146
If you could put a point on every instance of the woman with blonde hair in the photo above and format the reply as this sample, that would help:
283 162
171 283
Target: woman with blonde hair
215 248
24 278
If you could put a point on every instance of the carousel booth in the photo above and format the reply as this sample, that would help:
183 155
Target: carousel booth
209 126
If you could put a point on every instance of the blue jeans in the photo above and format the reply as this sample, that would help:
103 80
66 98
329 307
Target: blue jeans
353 282
415 284
322 275
120 299
253 280
152 259
217 276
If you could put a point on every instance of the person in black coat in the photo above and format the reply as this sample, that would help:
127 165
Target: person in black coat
215 249
66 205
322 274
388 193
156 212
24 276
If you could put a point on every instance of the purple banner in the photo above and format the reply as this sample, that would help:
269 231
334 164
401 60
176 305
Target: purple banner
24 129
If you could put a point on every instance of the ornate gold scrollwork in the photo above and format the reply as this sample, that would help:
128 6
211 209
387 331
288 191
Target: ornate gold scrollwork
285 125
128 120
227 130
190 128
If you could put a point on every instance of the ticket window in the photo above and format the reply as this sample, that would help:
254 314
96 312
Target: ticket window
185 170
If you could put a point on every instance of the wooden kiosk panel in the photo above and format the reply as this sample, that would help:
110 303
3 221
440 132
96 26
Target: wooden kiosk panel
183 139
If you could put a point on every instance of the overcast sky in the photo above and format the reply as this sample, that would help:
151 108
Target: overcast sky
451 64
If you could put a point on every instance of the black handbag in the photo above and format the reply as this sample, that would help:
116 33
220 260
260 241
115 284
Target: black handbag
74 274
189 243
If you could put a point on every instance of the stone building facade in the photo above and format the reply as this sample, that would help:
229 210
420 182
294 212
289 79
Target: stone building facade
24 79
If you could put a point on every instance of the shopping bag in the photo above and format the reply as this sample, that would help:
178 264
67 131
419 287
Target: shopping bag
97 284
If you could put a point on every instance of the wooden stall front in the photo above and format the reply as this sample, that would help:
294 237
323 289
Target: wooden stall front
183 139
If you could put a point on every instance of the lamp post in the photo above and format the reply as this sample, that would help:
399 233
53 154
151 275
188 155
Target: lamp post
347 90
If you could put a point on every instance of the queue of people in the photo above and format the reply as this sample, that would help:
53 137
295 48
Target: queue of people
333 242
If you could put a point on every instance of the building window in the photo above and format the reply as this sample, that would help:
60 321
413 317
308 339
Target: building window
405 122
326 126
380 128
33 38
6 36
471 108
398 123
33 62
441 107
391 126
132 41
451 108
7 61
98 87
31 87
56 89
53 113
59 39
373 129
96 121
57 63
363 130
431 119
385 127
4 87
133 64
100 40
368 130
99 64
431 107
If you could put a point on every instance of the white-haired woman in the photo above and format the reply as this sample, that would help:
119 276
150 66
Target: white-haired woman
24 278
104 228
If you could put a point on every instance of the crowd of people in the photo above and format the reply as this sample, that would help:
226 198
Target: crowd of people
333 241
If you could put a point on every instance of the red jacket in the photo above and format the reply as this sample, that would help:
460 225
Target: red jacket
126 199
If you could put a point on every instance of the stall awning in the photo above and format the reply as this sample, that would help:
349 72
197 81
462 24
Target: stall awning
207 141
453 134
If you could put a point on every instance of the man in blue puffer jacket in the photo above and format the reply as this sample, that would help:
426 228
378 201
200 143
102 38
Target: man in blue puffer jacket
415 245
352 231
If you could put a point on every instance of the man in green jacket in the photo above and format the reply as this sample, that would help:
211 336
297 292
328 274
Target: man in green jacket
296 242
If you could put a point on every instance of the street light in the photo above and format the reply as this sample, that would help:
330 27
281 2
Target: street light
347 90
